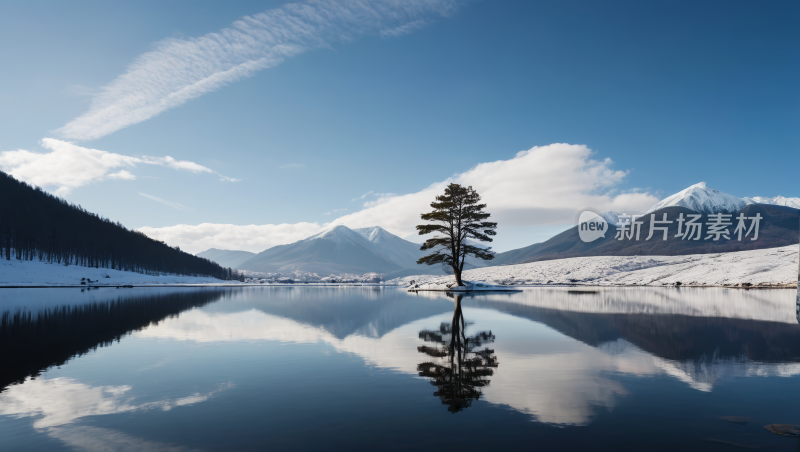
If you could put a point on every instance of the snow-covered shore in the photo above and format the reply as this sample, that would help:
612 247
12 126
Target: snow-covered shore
774 267
35 273
763 268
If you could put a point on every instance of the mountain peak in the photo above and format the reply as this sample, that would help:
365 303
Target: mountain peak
373 233
337 233
700 198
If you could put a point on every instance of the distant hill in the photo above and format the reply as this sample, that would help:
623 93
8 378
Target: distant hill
337 250
779 227
226 258
343 250
40 226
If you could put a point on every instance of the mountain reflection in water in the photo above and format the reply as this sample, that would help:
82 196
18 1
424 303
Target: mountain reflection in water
32 340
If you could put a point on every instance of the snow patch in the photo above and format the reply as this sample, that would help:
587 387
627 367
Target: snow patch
36 273
776 201
768 267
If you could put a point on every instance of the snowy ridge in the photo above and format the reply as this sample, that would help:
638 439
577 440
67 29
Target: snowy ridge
375 234
339 234
776 201
701 199
767 267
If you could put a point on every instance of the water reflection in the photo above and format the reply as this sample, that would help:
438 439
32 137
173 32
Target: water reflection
59 401
34 337
672 336
567 360
459 368
771 305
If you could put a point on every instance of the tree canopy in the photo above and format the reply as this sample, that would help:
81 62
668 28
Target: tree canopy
457 216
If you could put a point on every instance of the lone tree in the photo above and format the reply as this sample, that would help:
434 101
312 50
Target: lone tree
456 217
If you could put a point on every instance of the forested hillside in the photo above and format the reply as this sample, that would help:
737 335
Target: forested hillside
37 225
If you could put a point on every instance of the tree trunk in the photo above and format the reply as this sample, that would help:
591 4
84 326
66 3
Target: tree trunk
457 272
456 331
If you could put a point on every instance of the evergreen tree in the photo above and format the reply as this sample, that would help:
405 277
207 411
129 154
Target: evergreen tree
456 217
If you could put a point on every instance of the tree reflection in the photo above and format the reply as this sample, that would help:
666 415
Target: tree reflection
460 368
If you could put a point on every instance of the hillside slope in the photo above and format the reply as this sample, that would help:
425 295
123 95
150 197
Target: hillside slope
767 267
779 227
35 225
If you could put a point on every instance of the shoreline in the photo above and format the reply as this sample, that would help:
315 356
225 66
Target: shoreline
131 286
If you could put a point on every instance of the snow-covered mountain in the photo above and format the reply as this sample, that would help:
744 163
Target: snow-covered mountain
334 251
701 199
391 247
339 234
341 250
778 228
776 201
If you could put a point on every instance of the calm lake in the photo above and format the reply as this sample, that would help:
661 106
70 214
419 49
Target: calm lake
370 368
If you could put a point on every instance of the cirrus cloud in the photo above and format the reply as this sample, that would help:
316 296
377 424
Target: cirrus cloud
174 205
179 70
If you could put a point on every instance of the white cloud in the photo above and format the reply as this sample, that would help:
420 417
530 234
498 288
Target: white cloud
122 175
177 164
335 211
174 205
545 185
179 70
292 166
68 166
255 238
541 186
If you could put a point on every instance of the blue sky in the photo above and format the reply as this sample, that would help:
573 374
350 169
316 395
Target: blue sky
673 93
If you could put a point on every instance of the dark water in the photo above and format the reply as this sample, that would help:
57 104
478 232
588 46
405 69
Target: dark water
301 368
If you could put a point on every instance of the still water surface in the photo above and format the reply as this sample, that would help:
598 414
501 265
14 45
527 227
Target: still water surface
309 368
